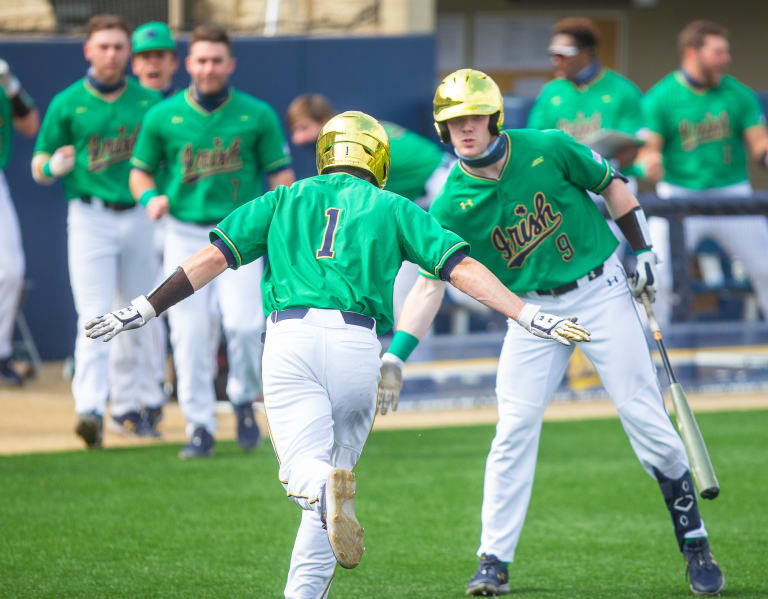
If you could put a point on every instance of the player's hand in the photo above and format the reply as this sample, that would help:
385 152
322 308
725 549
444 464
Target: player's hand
8 81
133 316
549 326
157 207
390 384
645 279
62 161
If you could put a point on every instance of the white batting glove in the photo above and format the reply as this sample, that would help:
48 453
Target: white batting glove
62 161
645 279
133 316
390 384
8 80
549 326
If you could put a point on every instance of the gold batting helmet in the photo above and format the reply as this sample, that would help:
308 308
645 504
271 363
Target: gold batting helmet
354 139
467 92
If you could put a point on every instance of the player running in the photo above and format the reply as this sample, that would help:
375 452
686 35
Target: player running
699 121
335 243
86 138
17 111
217 144
519 198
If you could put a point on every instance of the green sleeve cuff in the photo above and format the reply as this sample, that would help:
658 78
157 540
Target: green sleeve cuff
605 180
145 197
47 170
427 274
402 345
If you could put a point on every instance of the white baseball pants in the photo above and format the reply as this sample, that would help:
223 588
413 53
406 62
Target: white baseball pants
11 267
108 255
741 236
530 370
237 297
320 380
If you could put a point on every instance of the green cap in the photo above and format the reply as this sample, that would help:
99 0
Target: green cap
153 36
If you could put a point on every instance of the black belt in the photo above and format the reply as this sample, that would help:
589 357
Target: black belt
555 291
113 206
349 317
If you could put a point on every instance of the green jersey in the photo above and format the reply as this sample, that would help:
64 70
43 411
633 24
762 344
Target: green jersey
609 101
703 130
6 129
335 241
535 227
103 134
214 161
413 159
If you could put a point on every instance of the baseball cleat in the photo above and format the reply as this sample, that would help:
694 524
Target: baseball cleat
8 374
248 434
491 578
89 429
130 424
150 418
344 531
199 446
702 570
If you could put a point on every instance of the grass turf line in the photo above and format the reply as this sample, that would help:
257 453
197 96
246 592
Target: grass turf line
141 523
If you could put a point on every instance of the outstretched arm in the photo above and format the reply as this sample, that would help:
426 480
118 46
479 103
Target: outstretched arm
198 271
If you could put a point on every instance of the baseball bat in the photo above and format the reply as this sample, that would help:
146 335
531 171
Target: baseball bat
701 465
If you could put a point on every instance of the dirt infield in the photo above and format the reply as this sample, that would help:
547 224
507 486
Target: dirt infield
40 416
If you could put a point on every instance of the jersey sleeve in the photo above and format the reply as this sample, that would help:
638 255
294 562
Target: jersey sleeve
581 165
54 130
423 240
631 113
653 113
245 230
271 147
751 112
148 151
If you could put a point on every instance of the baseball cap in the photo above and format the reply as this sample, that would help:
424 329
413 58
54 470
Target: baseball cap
153 36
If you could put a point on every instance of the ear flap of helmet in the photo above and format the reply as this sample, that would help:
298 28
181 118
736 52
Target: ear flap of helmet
443 133
493 123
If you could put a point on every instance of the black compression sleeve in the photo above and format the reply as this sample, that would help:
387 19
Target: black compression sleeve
224 249
632 226
171 291
450 264
21 105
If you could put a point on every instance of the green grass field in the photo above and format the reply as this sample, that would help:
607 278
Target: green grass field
141 523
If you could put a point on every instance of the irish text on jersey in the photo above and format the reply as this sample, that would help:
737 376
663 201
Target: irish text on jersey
198 164
517 242
581 126
103 151
712 128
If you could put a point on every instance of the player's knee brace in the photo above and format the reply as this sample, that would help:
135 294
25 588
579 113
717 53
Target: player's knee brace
680 496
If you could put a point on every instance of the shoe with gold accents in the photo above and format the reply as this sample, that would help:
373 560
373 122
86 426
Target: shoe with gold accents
344 531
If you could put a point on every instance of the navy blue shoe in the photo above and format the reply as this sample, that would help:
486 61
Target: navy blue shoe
248 433
702 570
89 429
8 375
150 418
129 424
491 578
201 445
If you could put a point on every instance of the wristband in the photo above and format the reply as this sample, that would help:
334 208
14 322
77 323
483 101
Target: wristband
641 169
47 170
402 345
147 195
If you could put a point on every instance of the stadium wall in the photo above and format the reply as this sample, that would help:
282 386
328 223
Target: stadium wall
389 77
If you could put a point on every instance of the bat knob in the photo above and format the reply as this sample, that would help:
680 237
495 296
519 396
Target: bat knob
710 493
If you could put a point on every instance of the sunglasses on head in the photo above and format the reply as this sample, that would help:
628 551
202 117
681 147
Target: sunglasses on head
563 50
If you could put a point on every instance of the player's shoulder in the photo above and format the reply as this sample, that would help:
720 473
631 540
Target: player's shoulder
621 82
76 89
244 100
664 85
394 131
133 87
537 140
733 85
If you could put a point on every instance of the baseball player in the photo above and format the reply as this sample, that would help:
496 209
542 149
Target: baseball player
17 111
418 166
519 198
335 242
87 138
154 62
217 144
702 125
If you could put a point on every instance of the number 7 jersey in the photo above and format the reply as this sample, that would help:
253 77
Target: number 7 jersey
535 227
214 161
335 241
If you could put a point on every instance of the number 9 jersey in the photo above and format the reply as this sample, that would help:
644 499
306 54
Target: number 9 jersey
535 227
335 241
